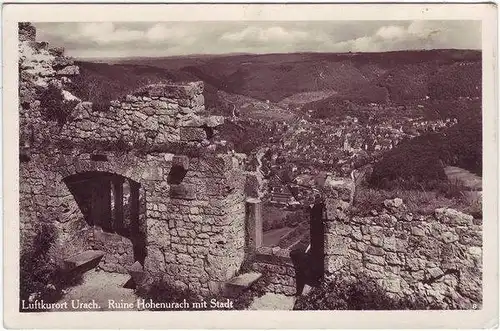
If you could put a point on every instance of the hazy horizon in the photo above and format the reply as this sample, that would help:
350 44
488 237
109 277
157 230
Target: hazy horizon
273 53
120 40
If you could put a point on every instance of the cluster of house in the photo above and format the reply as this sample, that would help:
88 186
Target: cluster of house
308 147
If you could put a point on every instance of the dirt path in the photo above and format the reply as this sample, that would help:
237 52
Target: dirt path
272 301
471 181
101 287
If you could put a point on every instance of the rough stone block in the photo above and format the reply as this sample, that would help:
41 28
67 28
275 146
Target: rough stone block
197 101
453 217
335 263
84 261
374 267
417 231
390 244
136 271
449 237
336 244
183 191
192 134
392 285
344 187
375 259
393 259
240 283
336 209
69 71
214 121
375 251
433 273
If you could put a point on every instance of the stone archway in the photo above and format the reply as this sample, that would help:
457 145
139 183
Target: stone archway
111 207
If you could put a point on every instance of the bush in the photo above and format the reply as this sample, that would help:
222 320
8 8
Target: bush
41 276
362 293
413 163
55 106
162 292
101 106
421 201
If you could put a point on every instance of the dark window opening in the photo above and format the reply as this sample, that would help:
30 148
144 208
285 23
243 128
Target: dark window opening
176 175
111 202
209 131
24 157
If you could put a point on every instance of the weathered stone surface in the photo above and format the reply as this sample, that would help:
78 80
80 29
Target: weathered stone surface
393 203
27 31
69 71
453 217
435 272
375 259
180 161
214 121
192 134
335 263
406 252
183 191
342 188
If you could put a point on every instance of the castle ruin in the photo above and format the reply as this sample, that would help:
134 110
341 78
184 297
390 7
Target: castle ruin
147 181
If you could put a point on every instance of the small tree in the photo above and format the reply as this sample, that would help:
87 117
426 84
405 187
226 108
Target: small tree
55 106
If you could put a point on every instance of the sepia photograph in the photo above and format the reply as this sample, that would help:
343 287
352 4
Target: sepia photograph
260 165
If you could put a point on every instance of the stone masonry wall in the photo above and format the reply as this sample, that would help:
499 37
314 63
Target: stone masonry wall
278 268
156 114
192 188
438 257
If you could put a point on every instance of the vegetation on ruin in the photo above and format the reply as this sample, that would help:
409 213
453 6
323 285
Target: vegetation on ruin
55 106
418 201
41 274
359 293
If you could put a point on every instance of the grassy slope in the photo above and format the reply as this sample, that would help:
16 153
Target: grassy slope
274 76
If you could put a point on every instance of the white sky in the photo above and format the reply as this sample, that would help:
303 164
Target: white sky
131 39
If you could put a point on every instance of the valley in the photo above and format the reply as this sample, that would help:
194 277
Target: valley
399 118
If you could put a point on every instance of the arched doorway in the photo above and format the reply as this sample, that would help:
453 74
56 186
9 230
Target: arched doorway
112 203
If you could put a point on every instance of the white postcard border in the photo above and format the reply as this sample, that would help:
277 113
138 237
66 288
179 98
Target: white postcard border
485 318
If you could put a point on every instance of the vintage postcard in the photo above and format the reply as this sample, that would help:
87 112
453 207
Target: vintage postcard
250 166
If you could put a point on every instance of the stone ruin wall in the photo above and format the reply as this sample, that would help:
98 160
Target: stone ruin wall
276 264
39 67
152 116
194 225
438 256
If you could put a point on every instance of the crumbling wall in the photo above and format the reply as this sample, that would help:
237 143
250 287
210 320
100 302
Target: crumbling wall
438 257
39 67
192 187
196 228
276 265
152 116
